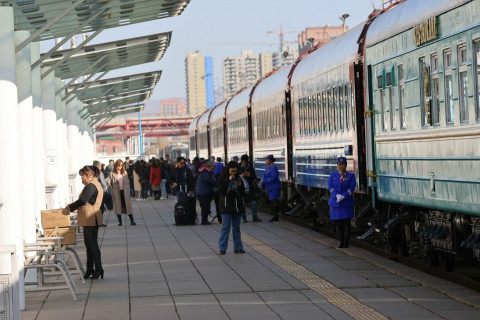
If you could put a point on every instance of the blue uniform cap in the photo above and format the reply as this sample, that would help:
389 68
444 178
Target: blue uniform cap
342 160
270 156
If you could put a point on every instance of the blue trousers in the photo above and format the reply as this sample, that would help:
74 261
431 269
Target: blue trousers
254 207
230 221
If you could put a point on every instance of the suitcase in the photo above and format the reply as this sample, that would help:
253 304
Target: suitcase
184 211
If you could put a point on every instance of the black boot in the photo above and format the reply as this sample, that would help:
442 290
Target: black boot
132 223
98 272
88 272
346 233
119 217
340 233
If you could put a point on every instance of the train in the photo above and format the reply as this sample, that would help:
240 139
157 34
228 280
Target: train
399 97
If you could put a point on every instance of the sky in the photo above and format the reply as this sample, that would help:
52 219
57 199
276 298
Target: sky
206 23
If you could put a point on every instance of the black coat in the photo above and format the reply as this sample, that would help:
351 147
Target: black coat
183 177
232 197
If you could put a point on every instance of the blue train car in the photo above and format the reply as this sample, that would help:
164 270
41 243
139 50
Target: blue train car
192 134
422 61
324 110
217 131
269 122
203 132
238 129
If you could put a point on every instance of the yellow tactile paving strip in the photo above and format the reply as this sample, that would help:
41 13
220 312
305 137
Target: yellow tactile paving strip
335 296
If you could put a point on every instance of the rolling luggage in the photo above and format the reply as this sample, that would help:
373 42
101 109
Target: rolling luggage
185 212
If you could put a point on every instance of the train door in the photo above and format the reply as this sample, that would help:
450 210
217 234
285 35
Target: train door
360 125
289 135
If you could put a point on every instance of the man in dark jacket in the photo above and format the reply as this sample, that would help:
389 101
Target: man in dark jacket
246 172
182 177
206 187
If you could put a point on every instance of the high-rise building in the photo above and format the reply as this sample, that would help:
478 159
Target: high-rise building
173 107
266 63
209 88
240 72
195 78
318 35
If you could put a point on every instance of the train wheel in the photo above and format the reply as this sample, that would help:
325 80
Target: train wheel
447 261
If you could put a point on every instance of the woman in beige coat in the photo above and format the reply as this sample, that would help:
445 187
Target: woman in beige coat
119 184
90 217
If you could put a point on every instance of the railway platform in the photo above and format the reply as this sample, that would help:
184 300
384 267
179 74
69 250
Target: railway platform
156 270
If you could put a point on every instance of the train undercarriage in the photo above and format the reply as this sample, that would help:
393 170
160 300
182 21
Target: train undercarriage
433 237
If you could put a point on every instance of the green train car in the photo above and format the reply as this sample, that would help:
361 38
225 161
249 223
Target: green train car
423 125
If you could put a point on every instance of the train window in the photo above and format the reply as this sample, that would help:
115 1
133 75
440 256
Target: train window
424 91
305 116
435 89
330 110
351 96
300 116
391 108
335 108
449 104
477 79
320 113
463 82
347 107
380 81
401 96
318 123
315 113
308 116
341 107
382 109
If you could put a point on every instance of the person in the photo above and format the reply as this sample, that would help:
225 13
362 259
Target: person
169 161
246 171
90 218
103 183
164 169
182 178
216 196
120 185
232 193
126 163
212 158
188 163
235 158
108 168
272 185
206 187
341 184
137 185
155 178
130 178
144 175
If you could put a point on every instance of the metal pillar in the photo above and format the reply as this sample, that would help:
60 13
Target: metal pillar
38 152
50 141
25 134
140 136
61 128
73 150
10 213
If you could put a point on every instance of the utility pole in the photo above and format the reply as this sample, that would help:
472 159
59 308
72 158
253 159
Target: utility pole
343 18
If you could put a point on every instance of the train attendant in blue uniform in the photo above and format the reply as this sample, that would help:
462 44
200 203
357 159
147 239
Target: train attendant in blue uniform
341 185
272 184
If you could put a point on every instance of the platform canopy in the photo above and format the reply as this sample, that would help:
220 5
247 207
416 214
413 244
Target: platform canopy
113 87
48 19
109 55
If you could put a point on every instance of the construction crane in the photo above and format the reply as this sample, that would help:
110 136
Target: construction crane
281 34
254 43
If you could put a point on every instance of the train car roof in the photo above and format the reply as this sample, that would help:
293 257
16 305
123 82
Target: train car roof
203 120
336 52
218 112
193 124
277 82
406 15
239 101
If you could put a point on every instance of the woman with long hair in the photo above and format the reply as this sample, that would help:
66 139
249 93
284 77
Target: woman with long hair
90 218
120 185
